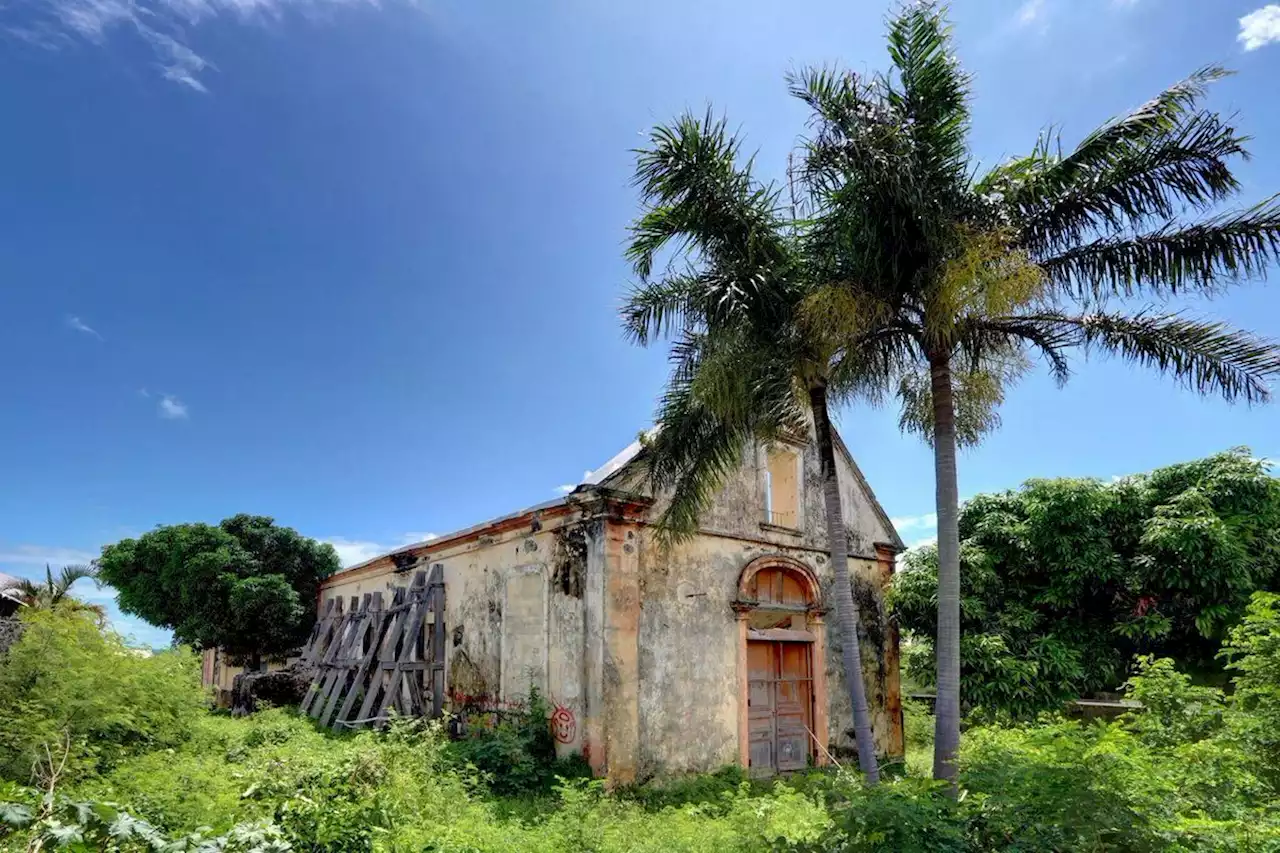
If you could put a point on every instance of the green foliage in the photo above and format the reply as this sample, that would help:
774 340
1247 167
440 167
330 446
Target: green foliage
704 789
1066 580
86 826
1191 773
1174 711
1252 652
246 586
911 815
1071 786
1064 786
516 752
67 684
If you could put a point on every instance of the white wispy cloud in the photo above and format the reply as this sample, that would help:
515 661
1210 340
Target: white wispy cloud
171 408
42 555
566 488
1030 12
1260 27
83 327
354 551
177 62
164 25
911 522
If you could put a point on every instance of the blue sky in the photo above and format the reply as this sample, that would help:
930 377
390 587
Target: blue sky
357 266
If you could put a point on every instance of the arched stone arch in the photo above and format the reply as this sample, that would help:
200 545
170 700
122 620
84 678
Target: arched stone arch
748 594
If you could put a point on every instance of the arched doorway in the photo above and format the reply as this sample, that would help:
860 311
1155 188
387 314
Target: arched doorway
782 717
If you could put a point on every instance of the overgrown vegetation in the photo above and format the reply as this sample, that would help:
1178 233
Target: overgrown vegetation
1066 580
66 684
515 752
108 750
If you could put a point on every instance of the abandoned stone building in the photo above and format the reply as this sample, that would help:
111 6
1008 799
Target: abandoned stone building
719 650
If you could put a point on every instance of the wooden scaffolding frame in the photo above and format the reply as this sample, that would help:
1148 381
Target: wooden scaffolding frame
370 660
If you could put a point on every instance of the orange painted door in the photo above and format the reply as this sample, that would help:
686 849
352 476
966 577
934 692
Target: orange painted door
779 705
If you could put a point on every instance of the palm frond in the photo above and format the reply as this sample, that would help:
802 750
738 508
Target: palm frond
1208 357
931 88
724 391
1046 171
1140 182
869 365
74 572
983 339
978 395
1174 258
656 309
699 198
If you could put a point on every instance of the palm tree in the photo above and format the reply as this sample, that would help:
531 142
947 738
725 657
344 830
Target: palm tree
752 355
964 276
55 592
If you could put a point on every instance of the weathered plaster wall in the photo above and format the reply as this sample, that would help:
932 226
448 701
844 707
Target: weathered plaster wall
514 619
688 656
739 507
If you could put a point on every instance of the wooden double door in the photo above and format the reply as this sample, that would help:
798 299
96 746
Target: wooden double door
779 705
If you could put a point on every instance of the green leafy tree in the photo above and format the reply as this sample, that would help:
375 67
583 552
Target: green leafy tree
1065 580
754 355
962 275
246 586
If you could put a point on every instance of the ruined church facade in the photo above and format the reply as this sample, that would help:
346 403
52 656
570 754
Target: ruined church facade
657 661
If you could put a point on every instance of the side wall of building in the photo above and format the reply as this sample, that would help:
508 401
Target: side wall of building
514 618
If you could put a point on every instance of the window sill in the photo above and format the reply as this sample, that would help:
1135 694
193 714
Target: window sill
778 528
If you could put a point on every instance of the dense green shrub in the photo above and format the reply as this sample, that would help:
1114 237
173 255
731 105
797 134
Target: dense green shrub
1064 581
515 750
710 791
912 815
1174 710
1064 786
1252 653
67 685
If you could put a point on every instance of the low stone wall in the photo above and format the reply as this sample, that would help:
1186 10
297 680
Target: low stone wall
278 687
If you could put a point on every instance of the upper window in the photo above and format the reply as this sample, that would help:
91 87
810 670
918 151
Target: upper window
782 487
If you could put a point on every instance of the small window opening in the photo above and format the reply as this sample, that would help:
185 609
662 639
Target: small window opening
782 488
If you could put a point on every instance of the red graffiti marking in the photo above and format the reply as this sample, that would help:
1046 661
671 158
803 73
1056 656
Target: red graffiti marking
564 726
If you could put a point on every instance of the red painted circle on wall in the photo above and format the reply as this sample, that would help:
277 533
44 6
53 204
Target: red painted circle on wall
563 725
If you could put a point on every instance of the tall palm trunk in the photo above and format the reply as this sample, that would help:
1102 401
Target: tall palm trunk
846 606
947 734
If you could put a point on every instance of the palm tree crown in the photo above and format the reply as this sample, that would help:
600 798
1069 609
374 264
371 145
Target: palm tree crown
55 591
963 277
